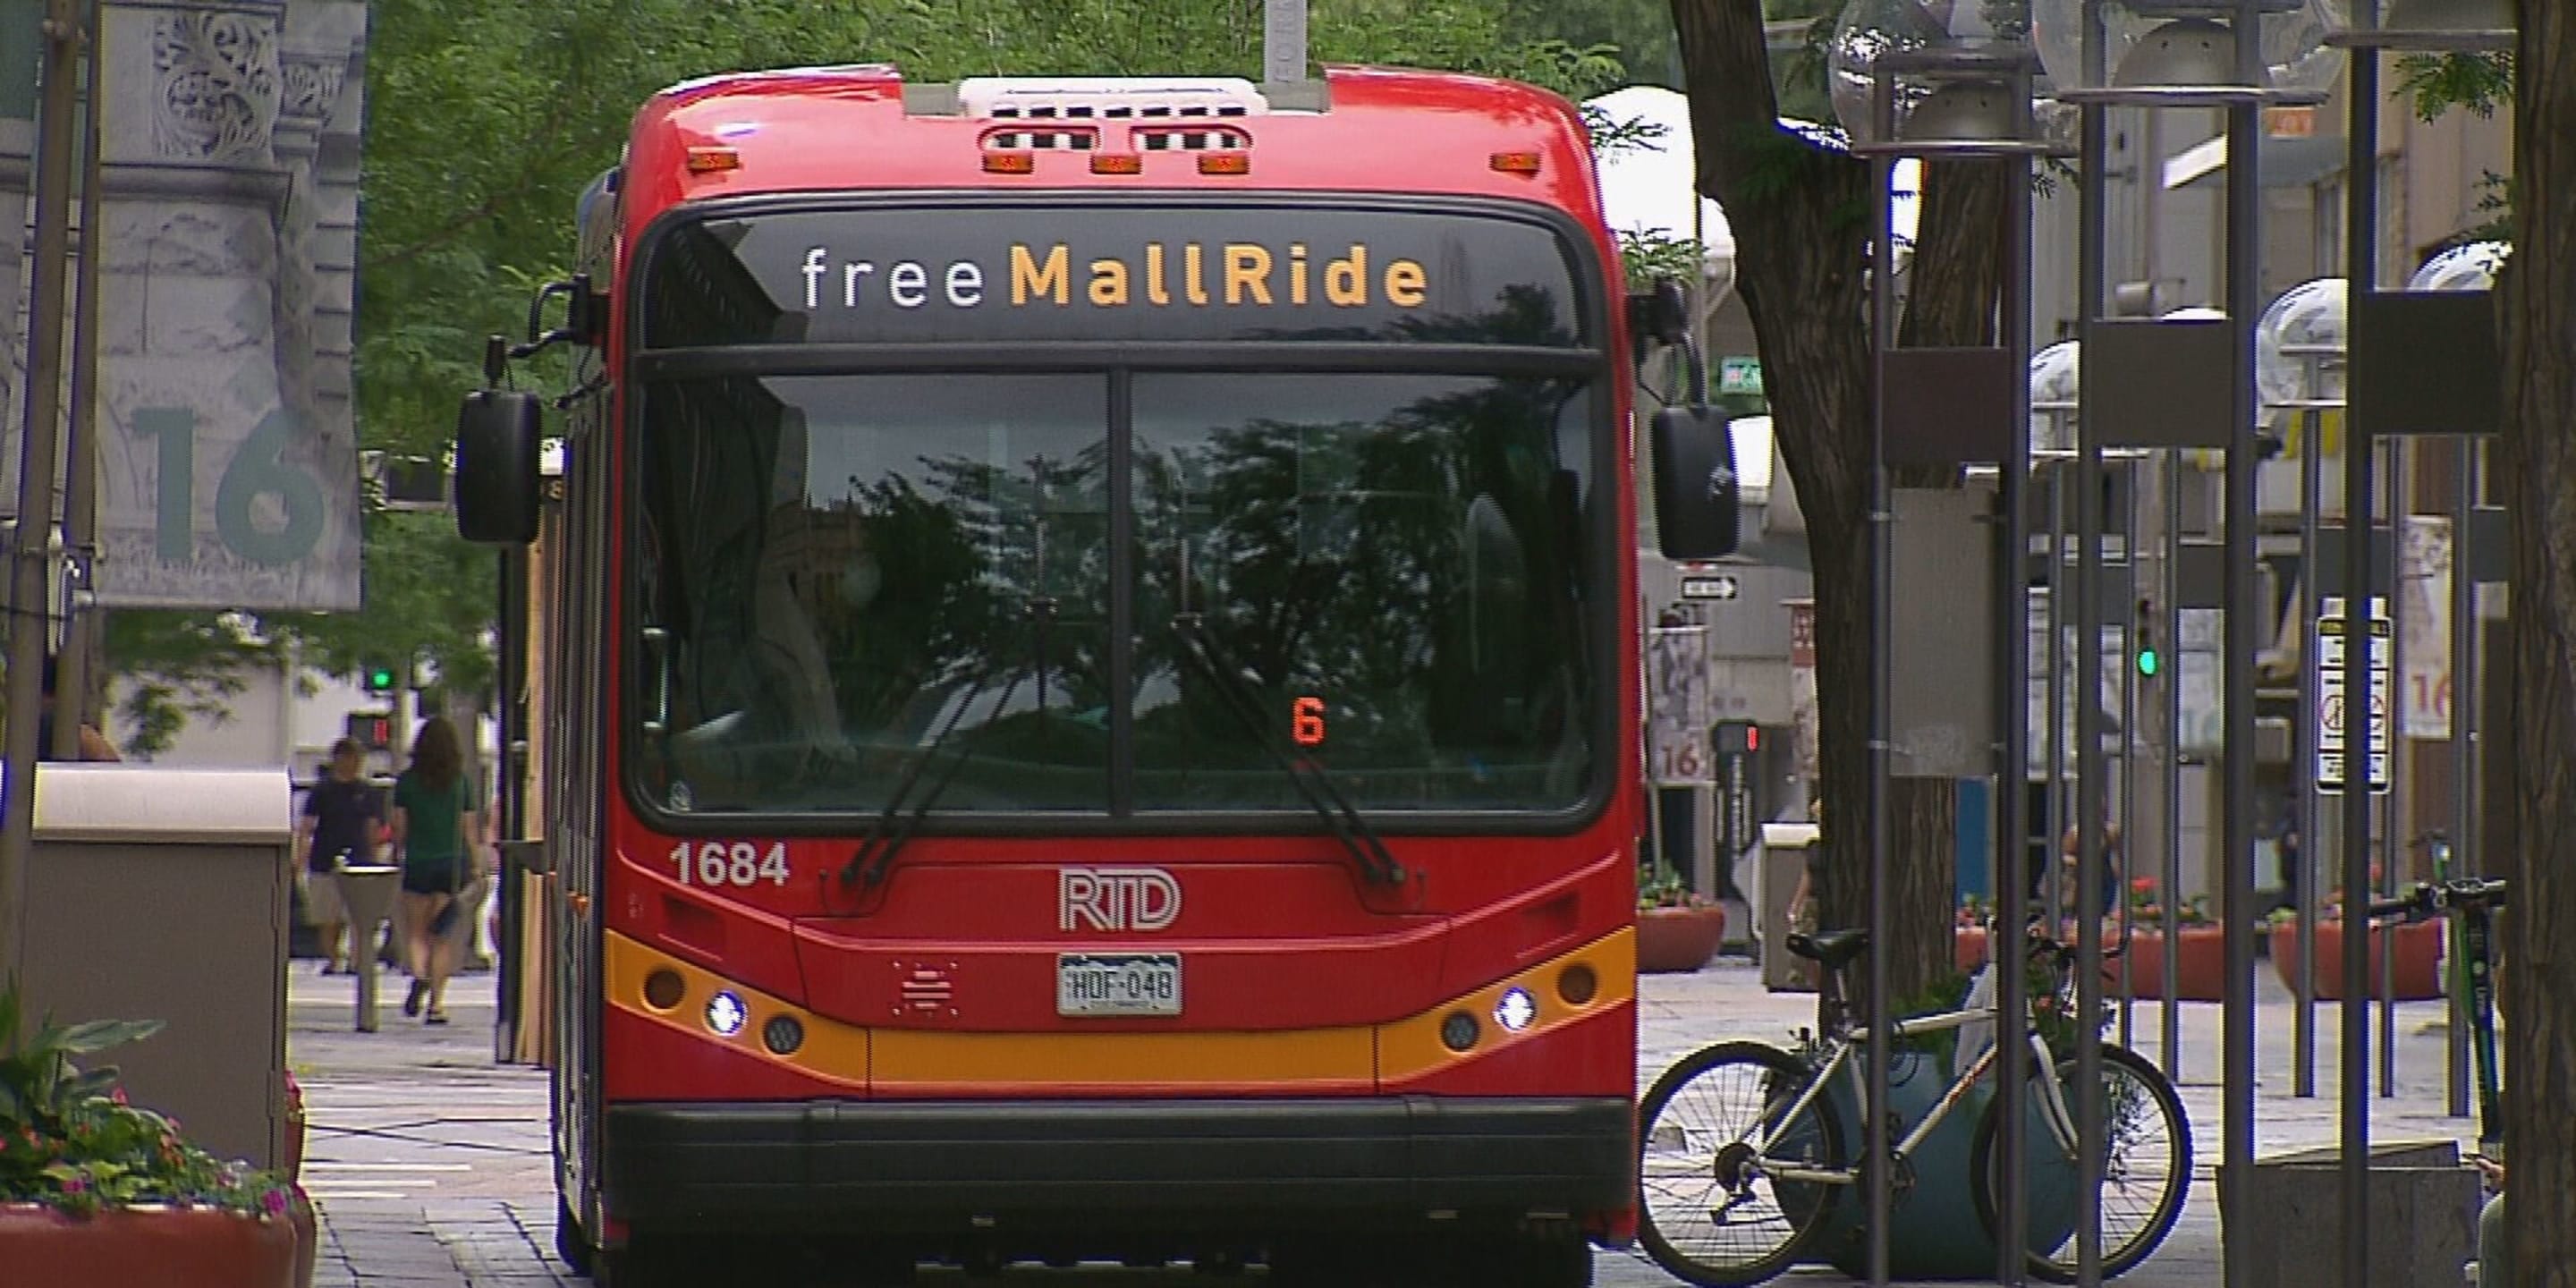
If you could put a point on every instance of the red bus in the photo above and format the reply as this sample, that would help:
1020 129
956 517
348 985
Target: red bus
1089 678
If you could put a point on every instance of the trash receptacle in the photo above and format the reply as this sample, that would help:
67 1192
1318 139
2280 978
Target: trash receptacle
1784 860
162 894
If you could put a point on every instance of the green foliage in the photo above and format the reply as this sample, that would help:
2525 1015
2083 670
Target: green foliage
1659 886
69 1139
2480 82
1646 255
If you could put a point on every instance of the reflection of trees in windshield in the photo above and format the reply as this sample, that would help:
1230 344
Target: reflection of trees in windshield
1406 553
851 568
901 576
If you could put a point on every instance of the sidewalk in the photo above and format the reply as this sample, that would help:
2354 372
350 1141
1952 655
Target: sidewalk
430 1166
427 1162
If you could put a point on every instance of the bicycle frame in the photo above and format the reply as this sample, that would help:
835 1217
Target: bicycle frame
2060 1123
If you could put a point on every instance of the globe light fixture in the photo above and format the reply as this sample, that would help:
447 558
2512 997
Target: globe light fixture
2432 26
2182 53
1960 77
2462 268
2056 377
2299 346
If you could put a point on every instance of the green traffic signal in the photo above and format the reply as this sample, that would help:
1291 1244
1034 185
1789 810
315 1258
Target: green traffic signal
380 679
2147 661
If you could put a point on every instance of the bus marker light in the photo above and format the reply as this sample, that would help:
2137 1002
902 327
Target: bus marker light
1458 1031
1516 162
725 1014
1011 162
1578 984
1516 1011
1225 163
1117 163
713 160
783 1034
663 989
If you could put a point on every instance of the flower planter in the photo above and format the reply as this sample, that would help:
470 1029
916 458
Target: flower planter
2417 974
2200 966
1678 939
162 1247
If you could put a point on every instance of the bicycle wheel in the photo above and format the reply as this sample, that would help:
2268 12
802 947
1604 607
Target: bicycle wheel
1708 1213
2146 1165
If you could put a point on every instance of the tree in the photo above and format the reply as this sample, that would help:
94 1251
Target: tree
1800 215
2538 467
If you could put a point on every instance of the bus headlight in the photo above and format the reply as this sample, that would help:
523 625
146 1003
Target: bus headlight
725 1014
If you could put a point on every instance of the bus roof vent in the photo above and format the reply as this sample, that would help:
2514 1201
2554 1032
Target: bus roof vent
1109 98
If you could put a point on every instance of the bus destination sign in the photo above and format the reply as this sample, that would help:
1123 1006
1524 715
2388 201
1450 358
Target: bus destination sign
916 275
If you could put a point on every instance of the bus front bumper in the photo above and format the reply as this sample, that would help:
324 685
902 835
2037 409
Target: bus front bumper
852 1166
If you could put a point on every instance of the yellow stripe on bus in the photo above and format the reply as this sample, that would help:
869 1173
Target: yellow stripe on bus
1348 1057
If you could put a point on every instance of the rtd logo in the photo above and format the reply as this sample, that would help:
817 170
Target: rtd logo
1116 899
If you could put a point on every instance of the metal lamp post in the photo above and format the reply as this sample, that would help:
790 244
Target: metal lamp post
2299 366
1946 85
2148 384
2464 268
2438 334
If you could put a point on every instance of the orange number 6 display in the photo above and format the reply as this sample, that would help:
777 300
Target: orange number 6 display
1306 721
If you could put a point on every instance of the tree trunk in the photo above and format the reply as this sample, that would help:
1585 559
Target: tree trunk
2539 324
1801 217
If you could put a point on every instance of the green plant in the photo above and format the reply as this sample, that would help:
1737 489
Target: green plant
2146 904
69 1139
1661 887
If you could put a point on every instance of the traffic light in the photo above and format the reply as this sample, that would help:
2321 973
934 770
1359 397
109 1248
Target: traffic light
1737 737
2149 661
381 678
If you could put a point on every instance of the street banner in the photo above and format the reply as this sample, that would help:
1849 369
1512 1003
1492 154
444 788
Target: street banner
1677 716
2424 626
227 449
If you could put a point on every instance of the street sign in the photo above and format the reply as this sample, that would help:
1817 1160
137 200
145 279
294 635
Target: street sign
2332 708
1719 586
1739 375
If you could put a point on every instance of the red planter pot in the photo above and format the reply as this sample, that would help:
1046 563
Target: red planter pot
163 1247
2416 972
2200 964
1678 939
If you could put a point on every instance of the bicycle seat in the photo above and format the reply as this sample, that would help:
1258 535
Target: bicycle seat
1833 949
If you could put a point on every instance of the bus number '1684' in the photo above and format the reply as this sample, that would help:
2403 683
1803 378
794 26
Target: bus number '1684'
730 863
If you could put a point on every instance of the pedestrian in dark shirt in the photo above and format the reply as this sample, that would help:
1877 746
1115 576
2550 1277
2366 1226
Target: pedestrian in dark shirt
341 817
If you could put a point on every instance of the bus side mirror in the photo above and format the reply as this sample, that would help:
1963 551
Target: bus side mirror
1697 494
1658 315
497 467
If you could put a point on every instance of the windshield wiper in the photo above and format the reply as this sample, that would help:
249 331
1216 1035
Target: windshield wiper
876 853
1311 782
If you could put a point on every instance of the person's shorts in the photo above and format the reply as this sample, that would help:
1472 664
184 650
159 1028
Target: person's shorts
322 903
433 876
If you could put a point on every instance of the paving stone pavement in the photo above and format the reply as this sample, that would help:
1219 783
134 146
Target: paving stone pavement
429 1165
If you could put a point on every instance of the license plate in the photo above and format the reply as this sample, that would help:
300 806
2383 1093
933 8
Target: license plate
1118 984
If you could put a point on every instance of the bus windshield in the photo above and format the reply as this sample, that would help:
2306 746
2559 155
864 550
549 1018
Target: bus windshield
841 575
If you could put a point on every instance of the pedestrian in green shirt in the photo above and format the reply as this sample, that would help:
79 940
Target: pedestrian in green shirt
438 827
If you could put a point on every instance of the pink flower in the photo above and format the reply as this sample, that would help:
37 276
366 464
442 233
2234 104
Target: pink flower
117 1095
75 1185
273 1202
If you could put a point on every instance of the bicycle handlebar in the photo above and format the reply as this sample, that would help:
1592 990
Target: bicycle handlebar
2429 898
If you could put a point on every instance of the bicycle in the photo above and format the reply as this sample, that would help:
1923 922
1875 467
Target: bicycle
2472 902
1775 1178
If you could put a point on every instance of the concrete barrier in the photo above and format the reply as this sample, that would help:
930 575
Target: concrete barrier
2423 1216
